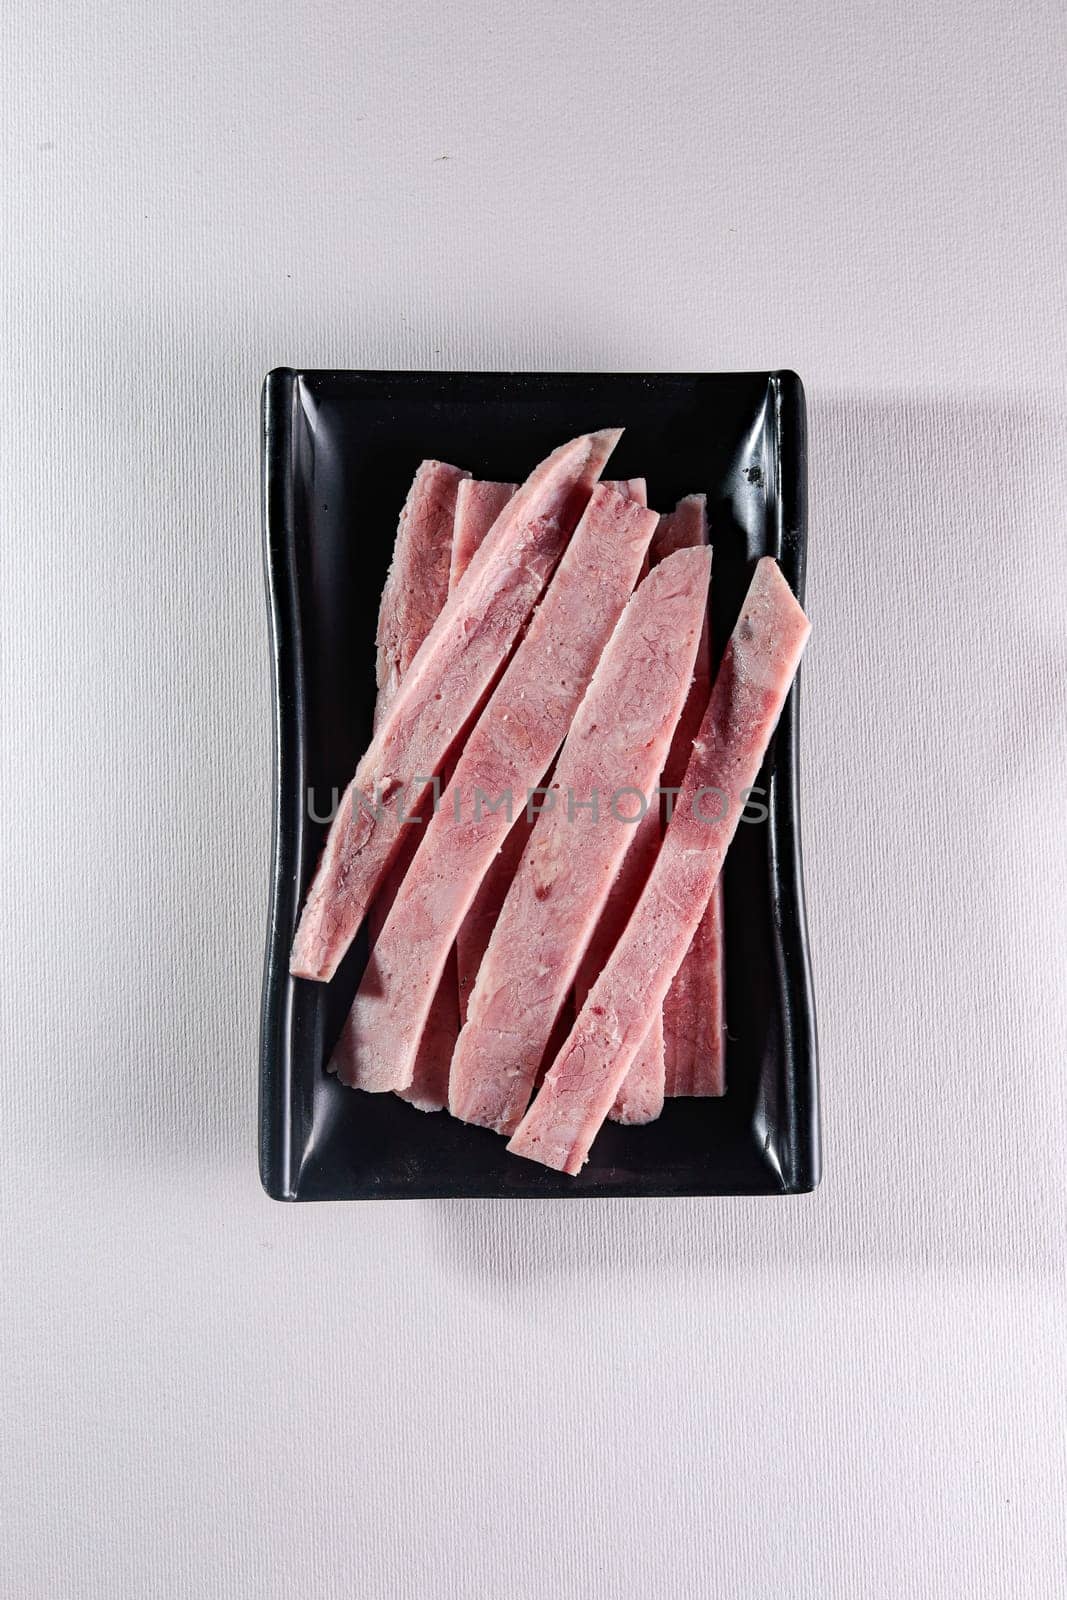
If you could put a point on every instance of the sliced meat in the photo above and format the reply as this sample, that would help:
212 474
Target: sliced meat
639 1100
641 1097
473 937
444 684
632 488
757 670
478 504
694 1034
472 940
417 584
694 1029
428 1089
507 753
617 743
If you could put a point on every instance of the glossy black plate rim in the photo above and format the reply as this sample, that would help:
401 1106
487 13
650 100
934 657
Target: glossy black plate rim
799 1137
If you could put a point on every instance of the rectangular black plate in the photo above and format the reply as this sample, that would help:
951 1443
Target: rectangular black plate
339 452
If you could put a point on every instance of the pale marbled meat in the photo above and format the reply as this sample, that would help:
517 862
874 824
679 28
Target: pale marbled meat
416 586
618 741
478 504
640 1098
694 1032
750 690
443 686
632 488
472 941
473 937
508 751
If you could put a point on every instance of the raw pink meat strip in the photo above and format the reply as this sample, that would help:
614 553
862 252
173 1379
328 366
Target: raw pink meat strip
632 488
444 684
757 670
508 751
478 504
428 1089
693 1031
417 584
472 941
641 1097
618 742
473 937
415 590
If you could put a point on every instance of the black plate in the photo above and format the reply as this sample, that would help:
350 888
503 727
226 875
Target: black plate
340 449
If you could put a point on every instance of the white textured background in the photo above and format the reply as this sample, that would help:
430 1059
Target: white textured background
856 1395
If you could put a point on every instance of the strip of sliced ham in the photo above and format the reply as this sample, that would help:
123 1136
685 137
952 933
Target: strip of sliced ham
693 1022
443 686
750 689
632 488
693 1030
472 940
478 504
618 742
473 937
641 1097
414 593
428 1089
417 583
507 753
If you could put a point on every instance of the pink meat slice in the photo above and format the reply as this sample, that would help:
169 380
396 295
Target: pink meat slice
428 1089
473 938
443 686
472 941
693 1024
641 1097
478 504
508 751
618 742
417 583
632 488
693 1029
757 670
